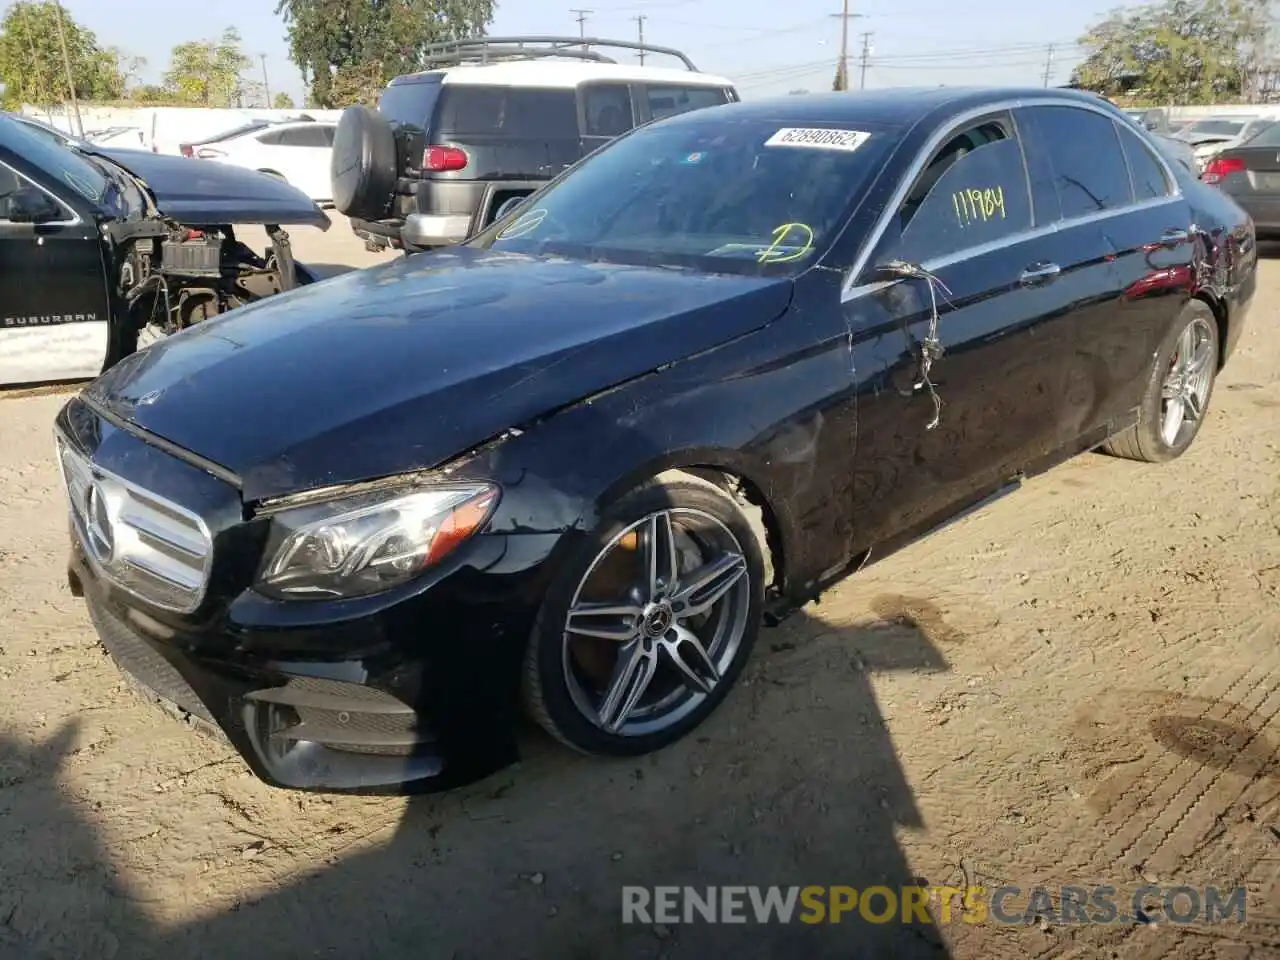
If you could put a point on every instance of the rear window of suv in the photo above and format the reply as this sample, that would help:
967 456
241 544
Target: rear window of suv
520 113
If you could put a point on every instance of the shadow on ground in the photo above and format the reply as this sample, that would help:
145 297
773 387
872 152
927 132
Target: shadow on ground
794 781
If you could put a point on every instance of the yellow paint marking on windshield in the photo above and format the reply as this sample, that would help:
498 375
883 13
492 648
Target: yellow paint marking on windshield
978 205
770 253
525 223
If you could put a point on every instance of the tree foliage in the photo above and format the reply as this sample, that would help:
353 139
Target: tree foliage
206 73
282 101
347 50
1176 51
31 63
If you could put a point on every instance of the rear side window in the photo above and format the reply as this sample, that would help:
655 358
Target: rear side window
608 109
1089 169
668 100
1149 181
520 113
302 137
410 103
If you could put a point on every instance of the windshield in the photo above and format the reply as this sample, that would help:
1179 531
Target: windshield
718 193
56 161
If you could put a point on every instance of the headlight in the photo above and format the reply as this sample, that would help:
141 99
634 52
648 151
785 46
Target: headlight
369 543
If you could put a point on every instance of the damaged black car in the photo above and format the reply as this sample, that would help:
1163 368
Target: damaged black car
573 464
105 250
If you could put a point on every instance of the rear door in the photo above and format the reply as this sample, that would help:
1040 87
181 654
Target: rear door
659 100
54 312
1125 238
934 436
507 133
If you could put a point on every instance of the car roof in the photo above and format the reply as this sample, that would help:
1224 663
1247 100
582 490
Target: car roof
892 106
562 74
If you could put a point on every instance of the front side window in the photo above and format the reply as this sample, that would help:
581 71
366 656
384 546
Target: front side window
666 101
730 195
973 191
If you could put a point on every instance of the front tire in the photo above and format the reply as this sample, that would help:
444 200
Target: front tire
649 622
1178 391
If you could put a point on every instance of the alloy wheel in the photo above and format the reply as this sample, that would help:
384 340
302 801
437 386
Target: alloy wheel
656 622
1186 385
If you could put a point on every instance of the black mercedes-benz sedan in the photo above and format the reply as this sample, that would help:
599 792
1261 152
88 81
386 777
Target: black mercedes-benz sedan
575 463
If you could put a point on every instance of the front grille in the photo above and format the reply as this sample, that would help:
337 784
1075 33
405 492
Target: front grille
147 545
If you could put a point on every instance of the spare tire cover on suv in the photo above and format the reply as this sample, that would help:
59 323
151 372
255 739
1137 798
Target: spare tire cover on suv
363 168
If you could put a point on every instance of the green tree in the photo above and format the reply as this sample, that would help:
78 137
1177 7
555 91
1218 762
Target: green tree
31 65
282 101
349 49
207 72
1184 51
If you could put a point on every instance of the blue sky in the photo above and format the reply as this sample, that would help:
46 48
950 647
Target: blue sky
765 47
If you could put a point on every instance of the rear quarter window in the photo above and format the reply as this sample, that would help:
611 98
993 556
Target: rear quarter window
518 113
411 103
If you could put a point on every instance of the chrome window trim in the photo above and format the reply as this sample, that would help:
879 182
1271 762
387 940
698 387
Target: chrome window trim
75 220
850 292
61 442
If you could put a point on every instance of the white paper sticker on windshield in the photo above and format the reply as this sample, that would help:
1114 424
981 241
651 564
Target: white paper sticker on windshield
819 138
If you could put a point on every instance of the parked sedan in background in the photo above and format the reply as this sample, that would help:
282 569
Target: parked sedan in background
295 151
1250 175
1210 136
576 461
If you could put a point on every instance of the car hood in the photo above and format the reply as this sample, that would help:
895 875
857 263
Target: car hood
201 194
408 364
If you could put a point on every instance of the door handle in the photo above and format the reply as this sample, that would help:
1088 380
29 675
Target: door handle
1038 273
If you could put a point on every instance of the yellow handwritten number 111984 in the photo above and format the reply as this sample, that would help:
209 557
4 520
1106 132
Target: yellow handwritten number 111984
978 206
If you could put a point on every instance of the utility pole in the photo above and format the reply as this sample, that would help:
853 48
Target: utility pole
66 62
1048 65
582 24
266 84
640 26
845 16
866 54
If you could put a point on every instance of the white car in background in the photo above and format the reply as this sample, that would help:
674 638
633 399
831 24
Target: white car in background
295 151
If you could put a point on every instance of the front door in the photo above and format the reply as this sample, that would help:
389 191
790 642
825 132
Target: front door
952 403
54 311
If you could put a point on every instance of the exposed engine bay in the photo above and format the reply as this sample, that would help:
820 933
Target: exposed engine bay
171 276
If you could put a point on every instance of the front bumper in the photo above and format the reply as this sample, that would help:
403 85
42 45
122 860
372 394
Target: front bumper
380 723
411 691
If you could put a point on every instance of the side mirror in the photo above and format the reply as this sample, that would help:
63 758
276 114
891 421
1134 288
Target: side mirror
33 205
509 206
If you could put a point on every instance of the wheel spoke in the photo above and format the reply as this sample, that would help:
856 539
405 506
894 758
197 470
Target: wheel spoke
700 591
689 657
631 676
1173 414
1199 360
608 621
662 567
1186 348
1191 406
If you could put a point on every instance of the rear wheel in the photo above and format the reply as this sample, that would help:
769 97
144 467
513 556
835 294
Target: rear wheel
649 623
1178 391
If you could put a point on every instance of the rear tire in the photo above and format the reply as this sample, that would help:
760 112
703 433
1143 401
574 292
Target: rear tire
1178 392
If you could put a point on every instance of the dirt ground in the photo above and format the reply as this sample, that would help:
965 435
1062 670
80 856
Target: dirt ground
1079 685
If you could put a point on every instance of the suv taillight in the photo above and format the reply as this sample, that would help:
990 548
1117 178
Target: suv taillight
1219 168
438 159
186 150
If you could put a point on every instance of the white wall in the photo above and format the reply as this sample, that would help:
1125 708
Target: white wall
163 128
